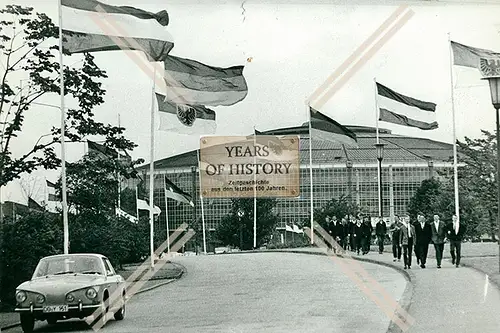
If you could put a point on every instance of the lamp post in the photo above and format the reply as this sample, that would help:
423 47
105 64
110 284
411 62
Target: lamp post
490 71
240 215
380 157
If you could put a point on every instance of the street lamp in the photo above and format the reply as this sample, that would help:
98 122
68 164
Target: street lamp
380 157
491 72
240 215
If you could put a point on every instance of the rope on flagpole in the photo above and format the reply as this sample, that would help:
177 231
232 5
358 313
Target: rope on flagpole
151 171
202 207
310 175
166 212
63 121
455 167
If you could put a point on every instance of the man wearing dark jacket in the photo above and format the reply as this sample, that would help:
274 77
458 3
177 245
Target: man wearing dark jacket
424 234
455 235
395 230
438 235
380 232
366 235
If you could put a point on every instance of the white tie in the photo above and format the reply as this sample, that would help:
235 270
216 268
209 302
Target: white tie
456 228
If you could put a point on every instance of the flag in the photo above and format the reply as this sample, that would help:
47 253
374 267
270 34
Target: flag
325 128
52 191
174 192
406 111
32 204
86 23
468 56
185 119
144 205
191 82
122 213
271 141
124 160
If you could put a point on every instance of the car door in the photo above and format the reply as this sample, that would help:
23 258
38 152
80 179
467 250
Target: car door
111 282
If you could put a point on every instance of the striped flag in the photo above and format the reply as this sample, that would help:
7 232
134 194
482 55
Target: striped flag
185 119
468 56
82 34
144 205
191 82
325 128
405 111
52 191
174 192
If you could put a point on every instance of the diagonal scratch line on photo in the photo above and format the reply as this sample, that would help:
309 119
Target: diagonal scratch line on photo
353 268
376 34
132 290
113 28
364 59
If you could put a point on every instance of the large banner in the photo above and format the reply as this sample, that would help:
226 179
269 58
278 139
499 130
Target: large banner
244 166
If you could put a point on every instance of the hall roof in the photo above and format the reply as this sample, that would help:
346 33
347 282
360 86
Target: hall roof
397 149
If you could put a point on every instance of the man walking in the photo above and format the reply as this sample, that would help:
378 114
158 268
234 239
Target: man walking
456 232
395 230
380 232
407 237
366 234
424 233
438 234
331 230
345 233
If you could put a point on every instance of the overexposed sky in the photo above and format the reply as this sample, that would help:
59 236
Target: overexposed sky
295 46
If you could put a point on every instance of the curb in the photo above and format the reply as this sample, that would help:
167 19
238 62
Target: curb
494 282
406 297
8 327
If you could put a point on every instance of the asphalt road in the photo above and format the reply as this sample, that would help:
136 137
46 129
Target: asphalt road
260 292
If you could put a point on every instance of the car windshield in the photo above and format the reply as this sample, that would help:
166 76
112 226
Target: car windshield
61 265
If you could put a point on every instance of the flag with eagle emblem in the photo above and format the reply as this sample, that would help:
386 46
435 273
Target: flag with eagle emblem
185 119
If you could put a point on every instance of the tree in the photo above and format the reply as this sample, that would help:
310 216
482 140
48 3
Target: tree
338 207
436 197
238 232
28 42
25 242
477 178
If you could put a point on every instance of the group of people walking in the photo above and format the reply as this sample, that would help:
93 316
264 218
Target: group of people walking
355 234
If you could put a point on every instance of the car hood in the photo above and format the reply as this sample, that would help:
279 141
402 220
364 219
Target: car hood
61 283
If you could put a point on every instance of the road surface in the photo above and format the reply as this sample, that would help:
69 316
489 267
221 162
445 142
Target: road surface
259 292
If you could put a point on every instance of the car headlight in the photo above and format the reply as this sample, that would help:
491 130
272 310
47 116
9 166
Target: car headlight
91 293
70 298
21 296
40 299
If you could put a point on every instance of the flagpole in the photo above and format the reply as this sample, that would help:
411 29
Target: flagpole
136 205
151 171
63 121
118 174
310 175
376 108
166 212
202 207
455 167
379 171
254 195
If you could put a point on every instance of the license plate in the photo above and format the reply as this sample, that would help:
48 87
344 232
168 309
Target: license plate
55 308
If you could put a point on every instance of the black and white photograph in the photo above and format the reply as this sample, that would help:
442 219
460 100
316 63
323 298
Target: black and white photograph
250 166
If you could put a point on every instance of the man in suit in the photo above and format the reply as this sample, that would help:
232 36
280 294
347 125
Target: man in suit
455 235
395 230
358 232
366 234
380 232
424 234
438 234
407 237
345 233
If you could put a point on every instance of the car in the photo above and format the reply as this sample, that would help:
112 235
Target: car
68 286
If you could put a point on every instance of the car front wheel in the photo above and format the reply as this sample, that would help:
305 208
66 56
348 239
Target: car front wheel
120 314
27 322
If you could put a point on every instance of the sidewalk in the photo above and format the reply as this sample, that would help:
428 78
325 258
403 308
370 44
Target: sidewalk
442 300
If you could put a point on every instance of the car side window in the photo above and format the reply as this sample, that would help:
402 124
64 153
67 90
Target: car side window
109 268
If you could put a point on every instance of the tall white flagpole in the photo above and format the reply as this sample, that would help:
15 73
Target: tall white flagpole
310 175
63 152
166 212
379 172
136 203
455 166
118 174
151 171
202 207
254 195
